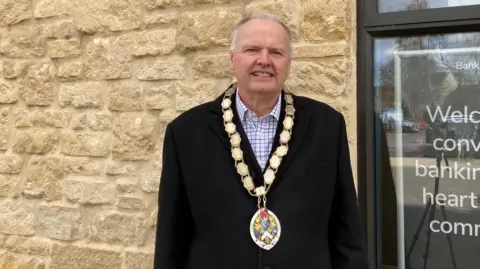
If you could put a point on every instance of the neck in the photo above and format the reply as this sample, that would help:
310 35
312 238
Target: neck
260 104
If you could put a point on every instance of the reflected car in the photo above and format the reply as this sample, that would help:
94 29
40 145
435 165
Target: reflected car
393 117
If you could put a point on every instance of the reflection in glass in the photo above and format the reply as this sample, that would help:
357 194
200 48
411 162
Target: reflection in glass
404 5
427 96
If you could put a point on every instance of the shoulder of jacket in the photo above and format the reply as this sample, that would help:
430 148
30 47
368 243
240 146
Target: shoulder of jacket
316 108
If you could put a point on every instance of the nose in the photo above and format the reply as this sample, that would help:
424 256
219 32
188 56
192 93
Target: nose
263 57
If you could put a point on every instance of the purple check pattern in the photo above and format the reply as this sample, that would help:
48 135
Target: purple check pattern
259 130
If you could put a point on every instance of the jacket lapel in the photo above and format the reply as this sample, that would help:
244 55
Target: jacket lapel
298 133
216 122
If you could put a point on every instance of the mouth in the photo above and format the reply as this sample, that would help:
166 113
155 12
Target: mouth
262 74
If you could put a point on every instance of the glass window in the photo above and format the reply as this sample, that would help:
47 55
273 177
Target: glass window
404 5
427 98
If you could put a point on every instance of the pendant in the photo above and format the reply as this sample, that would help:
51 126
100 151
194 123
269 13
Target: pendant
265 228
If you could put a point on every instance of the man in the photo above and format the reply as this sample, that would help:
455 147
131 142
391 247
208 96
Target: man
258 178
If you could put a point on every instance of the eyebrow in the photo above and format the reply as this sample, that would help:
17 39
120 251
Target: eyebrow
256 47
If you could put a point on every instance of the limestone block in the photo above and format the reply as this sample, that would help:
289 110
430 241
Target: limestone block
150 181
198 30
58 222
93 144
138 260
4 131
229 1
157 19
10 186
125 96
131 202
127 185
154 218
159 96
327 49
70 69
115 228
82 95
83 166
12 69
35 141
315 79
37 87
153 42
101 121
84 257
14 11
79 122
21 118
157 160
118 168
164 118
107 58
166 4
60 29
289 11
23 43
161 68
43 178
51 118
9 260
133 136
11 164
325 20
51 8
61 48
190 95
211 66
28 245
48 118
8 92
4 115
89 191
107 15
16 218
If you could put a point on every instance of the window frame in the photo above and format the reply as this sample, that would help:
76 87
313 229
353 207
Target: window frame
372 25
374 18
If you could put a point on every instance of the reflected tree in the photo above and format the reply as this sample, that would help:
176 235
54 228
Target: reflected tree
426 79
432 79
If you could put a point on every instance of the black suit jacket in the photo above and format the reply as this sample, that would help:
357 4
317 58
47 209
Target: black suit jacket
204 211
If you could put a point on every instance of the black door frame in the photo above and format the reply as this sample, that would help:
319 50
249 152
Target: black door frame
371 25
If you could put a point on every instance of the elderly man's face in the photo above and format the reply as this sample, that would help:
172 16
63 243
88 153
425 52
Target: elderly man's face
261 59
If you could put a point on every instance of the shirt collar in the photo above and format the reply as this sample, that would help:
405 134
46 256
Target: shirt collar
242 109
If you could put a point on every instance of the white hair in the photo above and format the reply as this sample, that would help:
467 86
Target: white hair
266 16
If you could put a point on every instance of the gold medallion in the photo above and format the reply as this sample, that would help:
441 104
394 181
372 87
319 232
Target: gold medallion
265 228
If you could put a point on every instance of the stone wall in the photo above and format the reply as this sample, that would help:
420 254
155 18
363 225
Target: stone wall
86 89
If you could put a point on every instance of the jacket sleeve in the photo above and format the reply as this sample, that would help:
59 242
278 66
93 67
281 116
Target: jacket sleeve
174 221
347 241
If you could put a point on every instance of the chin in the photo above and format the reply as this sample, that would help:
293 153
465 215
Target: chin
263 87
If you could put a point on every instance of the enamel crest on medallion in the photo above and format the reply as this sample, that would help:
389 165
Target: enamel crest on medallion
265 228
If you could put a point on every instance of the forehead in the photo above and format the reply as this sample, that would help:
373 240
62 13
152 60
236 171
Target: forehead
263 32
